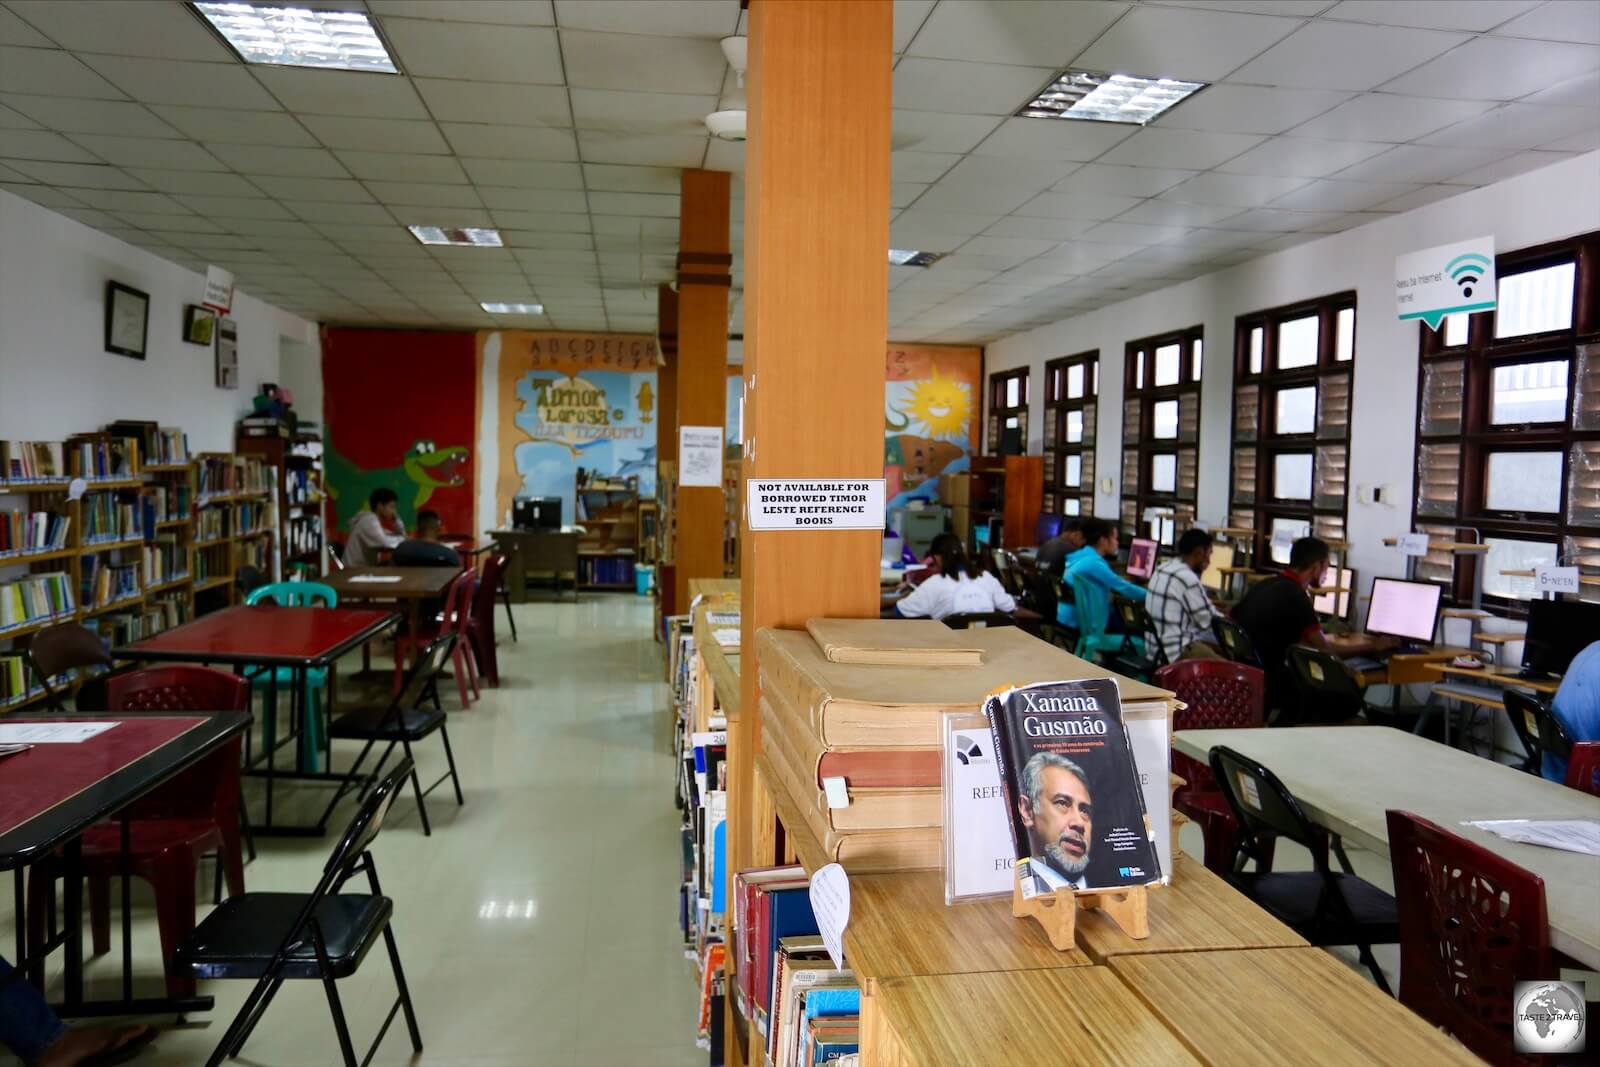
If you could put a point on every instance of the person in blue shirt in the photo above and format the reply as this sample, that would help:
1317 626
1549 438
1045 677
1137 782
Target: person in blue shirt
1089 563
1576 706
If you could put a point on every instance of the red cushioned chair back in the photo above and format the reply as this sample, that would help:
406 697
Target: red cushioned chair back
1217 694
211 787
1472 925
1583 767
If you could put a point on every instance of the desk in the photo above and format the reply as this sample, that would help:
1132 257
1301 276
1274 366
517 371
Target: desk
1268 1007
1489 674
535 553
1360 644
1347 777
410 586
53 793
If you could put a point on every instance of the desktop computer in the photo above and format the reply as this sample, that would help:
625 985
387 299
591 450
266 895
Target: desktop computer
1407 610
1141 557
1557 631
536 513
1221 557
1047 527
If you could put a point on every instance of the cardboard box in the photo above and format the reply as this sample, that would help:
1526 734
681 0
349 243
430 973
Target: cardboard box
956 490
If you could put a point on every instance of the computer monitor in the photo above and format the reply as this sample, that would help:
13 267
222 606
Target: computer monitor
536 513
1407 610
1335 604
1221 557
1557 631
1047 527
1141 557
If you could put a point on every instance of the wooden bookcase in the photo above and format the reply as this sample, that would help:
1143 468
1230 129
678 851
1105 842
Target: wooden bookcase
298 496
609 511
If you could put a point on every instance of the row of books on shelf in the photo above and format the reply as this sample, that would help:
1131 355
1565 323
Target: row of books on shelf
125 627
23 462
106 518
230 476
105 582
169 503
27 532
257 554
254 517
104 458
19 683
601 570
211 524
301 486
33 598
162 446
212 563
165 560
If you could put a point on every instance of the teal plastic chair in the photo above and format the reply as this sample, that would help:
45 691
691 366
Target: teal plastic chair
295 595
1092 607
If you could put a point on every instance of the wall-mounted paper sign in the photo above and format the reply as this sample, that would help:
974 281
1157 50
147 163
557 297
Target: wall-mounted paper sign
219 290
700 456
1412 544
815 503
1556 579
830 903
1447 280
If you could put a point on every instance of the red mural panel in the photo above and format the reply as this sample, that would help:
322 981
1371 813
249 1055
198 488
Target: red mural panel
401 410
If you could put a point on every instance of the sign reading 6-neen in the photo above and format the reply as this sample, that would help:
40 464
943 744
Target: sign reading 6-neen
815 504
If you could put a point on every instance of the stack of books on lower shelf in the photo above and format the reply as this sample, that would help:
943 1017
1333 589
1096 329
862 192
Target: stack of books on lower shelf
35 598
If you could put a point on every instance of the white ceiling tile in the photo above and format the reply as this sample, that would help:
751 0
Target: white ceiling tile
1239 190
79 175
1497 68
1062 139
511 142
640 63
623 179
393 166
1195 45
1274 220
172 81
499 198
599 146
927 131
1120 181
1094 206
1421 163
997 198
1583 91
237 207
509 105
1053 229
727 156
621 226
164 224
73 115
904 194
522 13
367 223
981 170
1337 55
474 52
280 161
922 166
524 173
1561 21
128 200
14 31
553 222
15 120
1587 141
235 127
652 204
1027 248
1343 196
7 175
1428 194
217 242
376 135
426 194
1177 213
1475 17
1248 109
967 224
1133 233
1516 126
150 28
149 152
47 195
1189 149
1389 117
617 111
1520 163
323 189
681 18
100 220
206 183
342 92
1301 157
535 239
1220 240
48 72
1013 31
43 145
960 88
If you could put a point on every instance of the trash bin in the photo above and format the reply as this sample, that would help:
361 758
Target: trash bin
644 578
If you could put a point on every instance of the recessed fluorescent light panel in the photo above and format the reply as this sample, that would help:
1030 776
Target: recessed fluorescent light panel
908 257
467 236
513 309
300 37
1082 94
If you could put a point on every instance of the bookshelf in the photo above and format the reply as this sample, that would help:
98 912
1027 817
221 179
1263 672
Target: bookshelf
296 475
609 512
235 525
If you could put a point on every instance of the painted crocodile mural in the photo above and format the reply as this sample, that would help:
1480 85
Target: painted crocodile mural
424 468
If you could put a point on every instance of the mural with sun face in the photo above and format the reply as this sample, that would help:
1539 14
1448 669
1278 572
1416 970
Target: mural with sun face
929 417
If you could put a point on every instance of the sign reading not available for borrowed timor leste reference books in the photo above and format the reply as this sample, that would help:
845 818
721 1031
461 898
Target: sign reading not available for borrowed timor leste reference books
815 503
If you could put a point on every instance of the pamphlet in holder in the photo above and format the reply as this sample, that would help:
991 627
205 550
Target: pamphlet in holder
1057 911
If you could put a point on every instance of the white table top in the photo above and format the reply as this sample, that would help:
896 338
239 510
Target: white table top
1346 777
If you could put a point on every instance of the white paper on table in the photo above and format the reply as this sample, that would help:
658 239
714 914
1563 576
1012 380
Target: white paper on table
51 733
1569 835
375 579
726 638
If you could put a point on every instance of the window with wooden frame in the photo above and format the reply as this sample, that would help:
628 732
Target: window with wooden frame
1071 393
1161 434
1508 434
1293 371
1008 412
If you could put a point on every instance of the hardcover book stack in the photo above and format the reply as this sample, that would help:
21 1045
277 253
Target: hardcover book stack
833 708
29 532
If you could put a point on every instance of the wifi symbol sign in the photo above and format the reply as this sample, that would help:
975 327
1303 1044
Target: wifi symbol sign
1466 271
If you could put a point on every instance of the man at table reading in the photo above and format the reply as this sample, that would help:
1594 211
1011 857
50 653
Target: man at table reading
1057 810
425 549
370 532
1277 613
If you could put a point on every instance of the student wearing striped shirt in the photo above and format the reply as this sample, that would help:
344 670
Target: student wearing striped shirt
1178 603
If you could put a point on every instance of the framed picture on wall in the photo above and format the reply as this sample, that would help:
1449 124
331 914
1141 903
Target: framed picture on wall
127 320
227 354
199 325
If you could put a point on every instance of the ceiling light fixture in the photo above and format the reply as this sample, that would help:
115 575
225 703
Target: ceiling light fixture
300 36
1129 98
513 309
907 257
727 125
463 236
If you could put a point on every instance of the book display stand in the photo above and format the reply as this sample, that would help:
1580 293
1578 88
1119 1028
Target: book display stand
1057 912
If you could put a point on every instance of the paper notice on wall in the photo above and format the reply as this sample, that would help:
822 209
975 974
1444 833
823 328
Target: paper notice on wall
1556 579
219 290
815 504
700 456
1413 544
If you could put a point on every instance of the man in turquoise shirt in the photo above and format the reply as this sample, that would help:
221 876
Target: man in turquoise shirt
1577 706
1089 564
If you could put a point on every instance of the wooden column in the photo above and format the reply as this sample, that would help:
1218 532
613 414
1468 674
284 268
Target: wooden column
704 277
666 426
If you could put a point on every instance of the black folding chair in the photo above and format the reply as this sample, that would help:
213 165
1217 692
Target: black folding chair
1061 636
1538 729
1327 692
1323 906
1235 642
324 935
1137 623
978 620
402 722
64 647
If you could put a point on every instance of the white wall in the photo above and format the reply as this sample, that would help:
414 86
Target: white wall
1545 205
300 371
55 376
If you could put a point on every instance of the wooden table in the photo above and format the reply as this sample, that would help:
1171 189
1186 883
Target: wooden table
1272 1007
552 552
1347 777
409 587
1491 674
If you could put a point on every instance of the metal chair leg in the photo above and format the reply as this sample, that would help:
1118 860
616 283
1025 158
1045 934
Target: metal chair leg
405 991
1371 963
505 597
450 758
416 787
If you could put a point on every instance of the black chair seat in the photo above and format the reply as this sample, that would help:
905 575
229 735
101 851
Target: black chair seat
238 938
1292 898
382 724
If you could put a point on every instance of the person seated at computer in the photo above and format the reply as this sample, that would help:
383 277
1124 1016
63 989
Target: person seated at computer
958 586
1054 552
1178 603
1277 613
426 549
375 530
1576 706
1091 564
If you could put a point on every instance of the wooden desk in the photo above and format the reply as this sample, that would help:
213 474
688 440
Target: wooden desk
538 553
1270 1007
1347 777
1411 668
1356 643
1490 674
405 586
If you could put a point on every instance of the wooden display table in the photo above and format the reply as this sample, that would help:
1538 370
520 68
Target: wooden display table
1270 1007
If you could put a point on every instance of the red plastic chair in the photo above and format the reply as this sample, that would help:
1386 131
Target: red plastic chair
1472 925
171 829
456 619
480 627
1583 767
1217 694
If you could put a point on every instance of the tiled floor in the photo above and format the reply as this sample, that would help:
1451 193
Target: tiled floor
538 925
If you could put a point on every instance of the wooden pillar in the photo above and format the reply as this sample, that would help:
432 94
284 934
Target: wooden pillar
704 277
666 427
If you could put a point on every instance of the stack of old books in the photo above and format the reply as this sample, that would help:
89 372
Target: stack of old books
854 708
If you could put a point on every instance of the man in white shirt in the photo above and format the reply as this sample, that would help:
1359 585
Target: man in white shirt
1178 603
1057 810
370 530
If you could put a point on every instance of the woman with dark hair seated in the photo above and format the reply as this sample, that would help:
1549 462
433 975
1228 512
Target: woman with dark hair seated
960 586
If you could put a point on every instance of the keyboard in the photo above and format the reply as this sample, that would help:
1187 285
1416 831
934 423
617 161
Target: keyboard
1363 663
